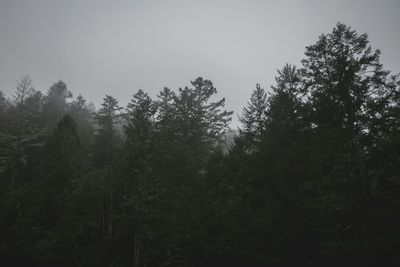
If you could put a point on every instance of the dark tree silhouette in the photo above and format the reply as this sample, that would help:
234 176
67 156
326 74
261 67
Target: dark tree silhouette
312 178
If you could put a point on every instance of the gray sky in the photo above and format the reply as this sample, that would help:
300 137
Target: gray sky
116 47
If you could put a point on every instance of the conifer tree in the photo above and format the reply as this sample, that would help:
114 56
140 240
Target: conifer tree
106 137
56 103
253 118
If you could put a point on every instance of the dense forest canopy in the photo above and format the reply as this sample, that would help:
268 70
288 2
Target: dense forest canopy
311 178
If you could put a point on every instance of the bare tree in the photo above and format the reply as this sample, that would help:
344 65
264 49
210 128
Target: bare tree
24 90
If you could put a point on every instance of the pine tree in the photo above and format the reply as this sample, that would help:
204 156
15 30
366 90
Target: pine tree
253 118
41 203
343 76
62 166
56 103
139 188
106 138
83 114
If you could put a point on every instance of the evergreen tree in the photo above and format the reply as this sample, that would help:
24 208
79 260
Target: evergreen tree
56 103
139 188
342 77
62 166
254 117
83 114
106 138
40 203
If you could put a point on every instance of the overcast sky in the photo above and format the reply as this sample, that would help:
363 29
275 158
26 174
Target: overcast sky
116 47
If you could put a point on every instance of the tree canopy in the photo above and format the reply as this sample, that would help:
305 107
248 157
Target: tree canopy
311 177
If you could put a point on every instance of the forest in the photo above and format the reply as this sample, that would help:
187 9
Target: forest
311 177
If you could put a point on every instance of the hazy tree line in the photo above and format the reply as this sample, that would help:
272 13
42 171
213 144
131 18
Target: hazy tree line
312 178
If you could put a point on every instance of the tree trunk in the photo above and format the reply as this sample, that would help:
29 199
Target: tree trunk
136 259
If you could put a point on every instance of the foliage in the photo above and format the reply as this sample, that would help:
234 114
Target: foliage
311 179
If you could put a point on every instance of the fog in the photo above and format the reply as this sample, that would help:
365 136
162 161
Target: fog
117 47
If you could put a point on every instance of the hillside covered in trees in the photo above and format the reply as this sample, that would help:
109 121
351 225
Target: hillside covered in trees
312 178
